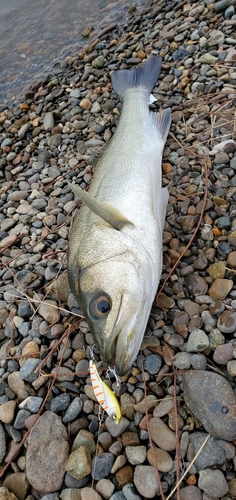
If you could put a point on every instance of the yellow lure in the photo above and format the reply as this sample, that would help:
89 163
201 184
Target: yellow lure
105 396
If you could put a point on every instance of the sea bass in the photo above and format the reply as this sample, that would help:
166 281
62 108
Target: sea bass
115 245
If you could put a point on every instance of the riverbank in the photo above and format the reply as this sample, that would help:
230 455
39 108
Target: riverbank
51 137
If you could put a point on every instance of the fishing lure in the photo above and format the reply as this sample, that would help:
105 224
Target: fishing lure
105 396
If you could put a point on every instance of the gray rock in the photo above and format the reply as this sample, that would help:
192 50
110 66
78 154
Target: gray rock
24 309
46 465
190 492
60 403
83 368
2 443
145 480
51 496
73 410
98 62
212 453
102 465
23 130
20 419
199 361
27 371
118 495
55 140
213 401
48 121
213 483
129 492
114 429
32 404
197 341
152 363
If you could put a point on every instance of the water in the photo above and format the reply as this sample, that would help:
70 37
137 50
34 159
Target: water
34 33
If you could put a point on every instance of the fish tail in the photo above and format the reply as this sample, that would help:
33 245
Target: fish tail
162 120
145 76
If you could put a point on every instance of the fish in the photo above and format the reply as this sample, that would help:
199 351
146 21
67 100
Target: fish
105 396
212 400
115 244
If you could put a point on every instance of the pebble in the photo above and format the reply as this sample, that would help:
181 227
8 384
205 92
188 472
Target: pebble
220 288
162 459
2 443
7 411
130 493
223 353
47 475
60 403
145 480
86 439
213 482
73 410
212 400
79 463
102 465
136 454
197 341
162 435
227 322
212 454
105 488
17 484
5 494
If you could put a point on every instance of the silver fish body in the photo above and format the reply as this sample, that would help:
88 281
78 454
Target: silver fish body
115 245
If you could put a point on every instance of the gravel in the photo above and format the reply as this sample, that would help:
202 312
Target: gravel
53 135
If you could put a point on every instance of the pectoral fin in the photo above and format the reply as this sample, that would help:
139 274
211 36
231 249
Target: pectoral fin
108 213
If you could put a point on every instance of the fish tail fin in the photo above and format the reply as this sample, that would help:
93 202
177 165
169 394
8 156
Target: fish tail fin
145 75
162 120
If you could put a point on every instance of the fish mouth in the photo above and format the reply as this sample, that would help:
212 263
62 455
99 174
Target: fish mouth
121 349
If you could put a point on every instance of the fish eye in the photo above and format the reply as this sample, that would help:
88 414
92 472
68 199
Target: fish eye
100 306
224 410
114 416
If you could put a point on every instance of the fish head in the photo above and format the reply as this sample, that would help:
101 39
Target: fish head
113 292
